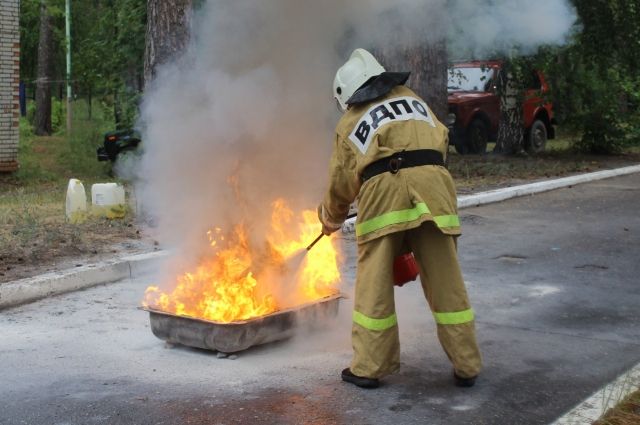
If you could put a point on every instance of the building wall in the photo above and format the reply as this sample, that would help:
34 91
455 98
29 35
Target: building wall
9 83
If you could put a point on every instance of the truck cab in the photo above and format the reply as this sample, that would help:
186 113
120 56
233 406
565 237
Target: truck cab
474 108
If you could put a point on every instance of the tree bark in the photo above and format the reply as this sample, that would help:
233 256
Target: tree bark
429 77
45 70
428 66
510 128
168 28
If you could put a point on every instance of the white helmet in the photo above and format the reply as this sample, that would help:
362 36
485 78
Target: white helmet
360 67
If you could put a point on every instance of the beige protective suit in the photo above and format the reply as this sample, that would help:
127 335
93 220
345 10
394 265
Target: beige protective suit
414 208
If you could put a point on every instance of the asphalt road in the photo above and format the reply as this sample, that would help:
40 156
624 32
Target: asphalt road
554 279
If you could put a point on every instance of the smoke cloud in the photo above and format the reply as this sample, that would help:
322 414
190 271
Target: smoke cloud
491 27
246 114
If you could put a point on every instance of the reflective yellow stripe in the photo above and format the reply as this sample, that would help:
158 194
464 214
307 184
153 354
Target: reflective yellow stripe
374 324
447 220
390 218
455 318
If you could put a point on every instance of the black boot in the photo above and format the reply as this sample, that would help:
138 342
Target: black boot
359 381
463 382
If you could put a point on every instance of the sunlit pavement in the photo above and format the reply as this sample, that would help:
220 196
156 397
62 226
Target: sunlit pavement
554 280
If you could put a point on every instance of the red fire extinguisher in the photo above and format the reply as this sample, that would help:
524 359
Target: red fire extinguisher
405 269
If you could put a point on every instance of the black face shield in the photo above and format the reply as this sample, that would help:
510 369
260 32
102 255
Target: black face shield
378 86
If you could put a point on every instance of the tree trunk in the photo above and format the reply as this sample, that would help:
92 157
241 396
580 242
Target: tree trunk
168 26
510 128
45 70
429 77
428 66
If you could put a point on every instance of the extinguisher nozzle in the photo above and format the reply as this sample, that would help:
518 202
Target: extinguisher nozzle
315 242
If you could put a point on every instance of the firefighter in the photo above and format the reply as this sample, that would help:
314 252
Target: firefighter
389 153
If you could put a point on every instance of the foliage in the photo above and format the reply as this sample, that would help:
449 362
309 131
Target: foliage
610 32
29 21
599 113
107 51
29 38
110 54
595 86
58 115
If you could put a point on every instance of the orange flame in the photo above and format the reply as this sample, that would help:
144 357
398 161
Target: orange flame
240 281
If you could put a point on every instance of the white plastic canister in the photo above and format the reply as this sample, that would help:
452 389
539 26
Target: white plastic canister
76 204
108 200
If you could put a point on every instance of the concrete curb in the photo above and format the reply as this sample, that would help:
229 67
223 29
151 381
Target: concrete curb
31 289
605 398
498 195
503 194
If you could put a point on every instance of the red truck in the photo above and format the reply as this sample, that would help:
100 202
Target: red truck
474 108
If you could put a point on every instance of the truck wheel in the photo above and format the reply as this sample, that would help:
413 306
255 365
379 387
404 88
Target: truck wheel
461 146
477 137
537 138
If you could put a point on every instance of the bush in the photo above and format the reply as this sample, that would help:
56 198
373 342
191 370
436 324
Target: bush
599 103
603 134
58 114
610 116
26 129
595 91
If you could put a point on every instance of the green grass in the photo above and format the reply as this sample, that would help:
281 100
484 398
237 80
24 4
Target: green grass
57 158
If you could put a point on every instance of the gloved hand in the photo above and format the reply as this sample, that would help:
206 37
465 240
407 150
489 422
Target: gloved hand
327 229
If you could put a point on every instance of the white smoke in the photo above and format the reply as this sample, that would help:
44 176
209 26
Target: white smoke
250 100
483 28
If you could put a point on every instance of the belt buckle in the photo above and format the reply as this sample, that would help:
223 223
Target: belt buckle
395 164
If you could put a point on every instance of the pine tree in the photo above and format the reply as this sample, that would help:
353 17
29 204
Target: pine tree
168 26
45 72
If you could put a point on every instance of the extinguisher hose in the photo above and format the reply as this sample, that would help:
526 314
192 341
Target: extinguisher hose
316 240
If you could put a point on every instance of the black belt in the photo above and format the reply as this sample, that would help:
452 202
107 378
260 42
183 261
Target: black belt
404 159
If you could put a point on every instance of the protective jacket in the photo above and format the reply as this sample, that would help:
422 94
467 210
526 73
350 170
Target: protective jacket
413 207
388 203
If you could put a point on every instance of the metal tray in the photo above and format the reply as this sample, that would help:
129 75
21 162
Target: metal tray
237 336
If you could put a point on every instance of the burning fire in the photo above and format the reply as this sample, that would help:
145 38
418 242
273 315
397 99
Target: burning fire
240 281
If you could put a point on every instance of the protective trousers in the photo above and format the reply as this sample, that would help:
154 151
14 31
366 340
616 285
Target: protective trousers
375 338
